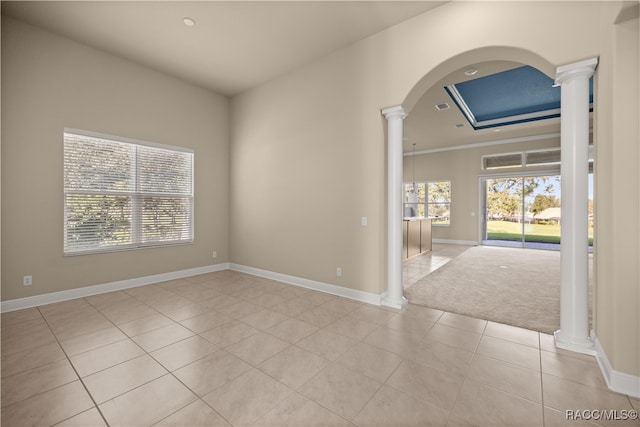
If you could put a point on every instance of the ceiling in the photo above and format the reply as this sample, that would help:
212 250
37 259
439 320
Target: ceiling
433 129
512 96
238 45
234 46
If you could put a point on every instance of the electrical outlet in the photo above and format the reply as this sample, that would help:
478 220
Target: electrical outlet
214 254
339 272
363 221
27 281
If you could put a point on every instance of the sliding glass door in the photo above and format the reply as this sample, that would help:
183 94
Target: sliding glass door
525 211
522 211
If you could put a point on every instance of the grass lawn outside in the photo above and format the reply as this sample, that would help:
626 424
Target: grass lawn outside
545 233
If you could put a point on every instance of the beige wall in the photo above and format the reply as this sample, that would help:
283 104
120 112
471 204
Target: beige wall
307 164
463 169
617 201
49 83
308 154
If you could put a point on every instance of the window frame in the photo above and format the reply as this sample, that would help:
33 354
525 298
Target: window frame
426 203
136 197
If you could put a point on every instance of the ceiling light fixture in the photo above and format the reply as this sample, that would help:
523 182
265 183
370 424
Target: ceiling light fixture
471 71
189 22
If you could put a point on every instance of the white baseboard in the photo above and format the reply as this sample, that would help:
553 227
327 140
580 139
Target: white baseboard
354 294
617 381
456 242
50 298
53 297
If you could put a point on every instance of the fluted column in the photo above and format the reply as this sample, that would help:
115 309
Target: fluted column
574 250
393 297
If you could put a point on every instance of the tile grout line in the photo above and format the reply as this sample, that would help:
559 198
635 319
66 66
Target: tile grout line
201 398
129 339
75 371
541 378
541 351
466 376
154 359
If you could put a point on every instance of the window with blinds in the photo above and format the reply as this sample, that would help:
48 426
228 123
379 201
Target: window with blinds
125 194
542 157
502 161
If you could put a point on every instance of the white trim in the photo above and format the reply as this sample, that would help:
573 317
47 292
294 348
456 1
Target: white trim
584 68
553 113
341 291
620 382
456 242
50 298
53 297
453 90
134 141
487 143
491 143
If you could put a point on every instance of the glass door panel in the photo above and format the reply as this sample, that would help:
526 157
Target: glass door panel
542 211
526 211
504 211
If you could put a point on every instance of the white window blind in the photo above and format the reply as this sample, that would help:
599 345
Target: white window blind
502 161
125 194
543 157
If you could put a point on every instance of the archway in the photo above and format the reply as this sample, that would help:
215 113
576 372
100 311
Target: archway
571 78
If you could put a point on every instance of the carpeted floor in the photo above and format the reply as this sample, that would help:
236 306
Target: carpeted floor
519 287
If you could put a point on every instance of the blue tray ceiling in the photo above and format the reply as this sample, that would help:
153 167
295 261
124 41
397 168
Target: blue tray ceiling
514 96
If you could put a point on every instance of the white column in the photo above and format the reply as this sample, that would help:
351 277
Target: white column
393 297
574 246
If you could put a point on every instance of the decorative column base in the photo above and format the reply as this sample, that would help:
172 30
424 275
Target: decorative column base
395 303
585 346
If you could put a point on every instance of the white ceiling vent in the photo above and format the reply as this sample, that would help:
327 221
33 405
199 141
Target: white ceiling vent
443 106
460 125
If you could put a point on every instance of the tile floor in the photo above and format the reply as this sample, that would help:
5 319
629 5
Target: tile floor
228 348
415 268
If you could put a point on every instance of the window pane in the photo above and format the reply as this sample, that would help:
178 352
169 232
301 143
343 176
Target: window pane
439 213
95 164
96 221
164 171
440 192
166 219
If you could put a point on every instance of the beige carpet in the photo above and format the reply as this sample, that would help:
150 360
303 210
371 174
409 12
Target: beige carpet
519 287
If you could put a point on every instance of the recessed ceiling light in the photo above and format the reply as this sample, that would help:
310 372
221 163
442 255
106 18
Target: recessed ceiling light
189 22
471 71
496 130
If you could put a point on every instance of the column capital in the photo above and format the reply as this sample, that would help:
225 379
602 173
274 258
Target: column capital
584 68
393 112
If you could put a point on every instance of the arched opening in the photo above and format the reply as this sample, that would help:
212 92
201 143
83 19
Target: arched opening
456 147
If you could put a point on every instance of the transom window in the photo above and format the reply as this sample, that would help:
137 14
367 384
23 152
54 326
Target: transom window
428 199
125 194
